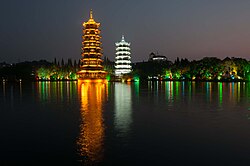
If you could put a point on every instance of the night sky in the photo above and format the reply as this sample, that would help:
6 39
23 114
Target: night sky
193 29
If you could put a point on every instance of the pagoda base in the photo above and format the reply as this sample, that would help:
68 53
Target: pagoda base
92 76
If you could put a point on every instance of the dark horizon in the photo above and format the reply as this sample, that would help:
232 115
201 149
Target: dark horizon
33 30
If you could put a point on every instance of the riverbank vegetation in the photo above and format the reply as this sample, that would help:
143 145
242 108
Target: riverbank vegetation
206 69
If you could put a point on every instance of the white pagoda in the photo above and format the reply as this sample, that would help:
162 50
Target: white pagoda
123 58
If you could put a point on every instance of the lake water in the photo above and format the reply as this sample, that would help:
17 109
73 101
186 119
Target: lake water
151 123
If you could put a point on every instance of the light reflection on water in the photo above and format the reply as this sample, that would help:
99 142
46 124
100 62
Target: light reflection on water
217 94
123 108
90 140
155 99
56 91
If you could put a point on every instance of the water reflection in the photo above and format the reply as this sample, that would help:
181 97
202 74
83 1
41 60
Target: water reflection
11 95
4 92
218 94
90 140
56 91
137 88
123 107
220 89
169 91
20 90
209 91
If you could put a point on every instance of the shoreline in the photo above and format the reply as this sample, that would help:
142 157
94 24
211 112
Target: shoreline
142 80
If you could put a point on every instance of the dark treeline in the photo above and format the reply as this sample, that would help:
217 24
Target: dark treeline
23 70
206 69
31 71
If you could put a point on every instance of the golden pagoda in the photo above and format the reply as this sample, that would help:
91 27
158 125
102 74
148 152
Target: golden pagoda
91 62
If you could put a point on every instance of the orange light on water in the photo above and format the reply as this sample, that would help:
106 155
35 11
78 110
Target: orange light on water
90 139
92 81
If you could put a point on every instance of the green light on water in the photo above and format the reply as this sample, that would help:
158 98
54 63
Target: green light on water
137 88
220 93
177 86
167 90
208 88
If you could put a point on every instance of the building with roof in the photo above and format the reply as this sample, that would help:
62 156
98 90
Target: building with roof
157 57
123 58
91 62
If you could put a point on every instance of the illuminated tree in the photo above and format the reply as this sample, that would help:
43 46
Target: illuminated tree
43 73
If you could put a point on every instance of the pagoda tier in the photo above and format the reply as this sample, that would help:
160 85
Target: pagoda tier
123 58
91 62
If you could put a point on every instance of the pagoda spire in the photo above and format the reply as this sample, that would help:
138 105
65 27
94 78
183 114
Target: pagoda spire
91 14
123 39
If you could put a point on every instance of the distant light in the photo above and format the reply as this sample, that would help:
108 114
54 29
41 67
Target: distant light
136 79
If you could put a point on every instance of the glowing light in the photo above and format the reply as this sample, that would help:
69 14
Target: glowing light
220 93
248 77
168 75
90 140
122 59
80 81
91 67
136 79
108 77
123 107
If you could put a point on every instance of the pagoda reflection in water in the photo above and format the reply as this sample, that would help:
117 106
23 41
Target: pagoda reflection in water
90 140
